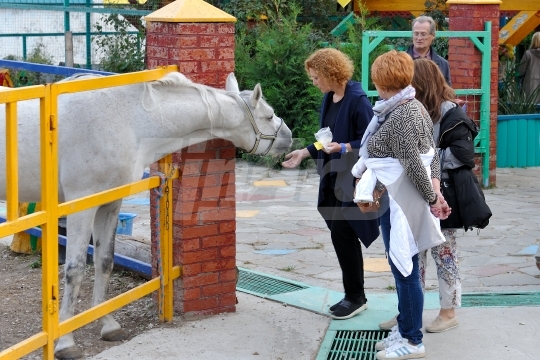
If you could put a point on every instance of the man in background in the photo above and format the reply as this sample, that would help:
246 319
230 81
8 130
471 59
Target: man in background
423 29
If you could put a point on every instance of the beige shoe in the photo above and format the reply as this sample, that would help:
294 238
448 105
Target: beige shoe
388 325
439 325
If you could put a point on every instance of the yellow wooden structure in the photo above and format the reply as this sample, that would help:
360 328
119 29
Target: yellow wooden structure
51 210
526 20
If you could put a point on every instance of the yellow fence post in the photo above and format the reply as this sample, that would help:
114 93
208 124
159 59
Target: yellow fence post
49 196
166 231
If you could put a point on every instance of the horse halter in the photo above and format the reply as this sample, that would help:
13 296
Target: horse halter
258 134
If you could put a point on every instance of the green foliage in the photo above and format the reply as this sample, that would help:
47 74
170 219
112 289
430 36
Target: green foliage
122 52
437 10
38 55
273 55
351 44
512 99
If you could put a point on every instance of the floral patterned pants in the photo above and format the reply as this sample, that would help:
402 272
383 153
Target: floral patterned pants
446 259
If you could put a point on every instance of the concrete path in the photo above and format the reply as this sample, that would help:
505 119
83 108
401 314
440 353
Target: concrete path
279 232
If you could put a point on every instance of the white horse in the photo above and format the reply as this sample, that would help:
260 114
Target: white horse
107 138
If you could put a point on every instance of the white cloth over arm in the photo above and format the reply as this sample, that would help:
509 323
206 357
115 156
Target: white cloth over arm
413 226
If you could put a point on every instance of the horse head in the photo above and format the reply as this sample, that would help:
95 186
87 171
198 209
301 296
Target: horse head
269 134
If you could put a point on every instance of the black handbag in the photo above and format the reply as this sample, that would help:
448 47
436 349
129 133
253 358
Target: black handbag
465 196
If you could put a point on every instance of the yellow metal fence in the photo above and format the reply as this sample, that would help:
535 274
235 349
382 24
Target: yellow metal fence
51 210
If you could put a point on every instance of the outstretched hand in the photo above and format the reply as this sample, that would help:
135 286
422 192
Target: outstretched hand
293 159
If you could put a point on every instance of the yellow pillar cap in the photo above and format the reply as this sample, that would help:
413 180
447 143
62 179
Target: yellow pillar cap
187 11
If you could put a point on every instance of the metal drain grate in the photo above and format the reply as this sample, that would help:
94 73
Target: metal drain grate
357 345
501 299
265 285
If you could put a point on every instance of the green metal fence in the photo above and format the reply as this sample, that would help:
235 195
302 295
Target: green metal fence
35 23
476 98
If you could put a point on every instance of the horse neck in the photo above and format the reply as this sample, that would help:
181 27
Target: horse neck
181 120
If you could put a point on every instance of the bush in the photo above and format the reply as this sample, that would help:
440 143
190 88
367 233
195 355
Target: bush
273 55
122 53
26 78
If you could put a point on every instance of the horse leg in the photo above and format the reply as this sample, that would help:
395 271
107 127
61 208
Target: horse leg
79 229
104 238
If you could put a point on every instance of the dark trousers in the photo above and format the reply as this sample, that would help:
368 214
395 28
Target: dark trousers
347 246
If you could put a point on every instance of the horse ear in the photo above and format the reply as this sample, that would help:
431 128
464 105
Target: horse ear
232 84
256 95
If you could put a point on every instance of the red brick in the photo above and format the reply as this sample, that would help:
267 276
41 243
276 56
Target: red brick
209 41
222 264
185 219
218 289
215 66
169 41
227 300
186 28
157 27
200 304
188 207
203 156
191 269
229 153
218 240
208 78
197 55
201 231
191 167
152 63
191 294
213 192
227 41
225 54
216 215
225 28
228 178
157 52
227 275
227 203
200 256
227 226
200 280
221 165
190 244
201 181
228 251
189 67
188 41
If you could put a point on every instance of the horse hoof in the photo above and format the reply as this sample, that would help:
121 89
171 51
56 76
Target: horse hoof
68 354
116 335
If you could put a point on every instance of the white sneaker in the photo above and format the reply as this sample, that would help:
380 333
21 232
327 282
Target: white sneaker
403 350
385 343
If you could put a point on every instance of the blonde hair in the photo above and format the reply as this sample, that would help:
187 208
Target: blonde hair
535 41
392 70
330 64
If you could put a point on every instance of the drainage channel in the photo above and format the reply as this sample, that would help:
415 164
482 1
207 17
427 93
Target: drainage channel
358 344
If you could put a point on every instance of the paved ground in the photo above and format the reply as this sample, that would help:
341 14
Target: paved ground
279 232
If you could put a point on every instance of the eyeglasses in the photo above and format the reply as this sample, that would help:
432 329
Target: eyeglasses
421 35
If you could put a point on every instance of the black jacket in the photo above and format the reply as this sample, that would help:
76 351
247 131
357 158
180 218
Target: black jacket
458 132
462 190
441 62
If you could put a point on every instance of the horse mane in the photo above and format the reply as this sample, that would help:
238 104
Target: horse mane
179 80
80 75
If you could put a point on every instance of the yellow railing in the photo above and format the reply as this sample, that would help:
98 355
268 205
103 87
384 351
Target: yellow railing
51 210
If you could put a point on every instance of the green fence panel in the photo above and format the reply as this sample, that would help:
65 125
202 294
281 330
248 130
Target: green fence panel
518 140
482 41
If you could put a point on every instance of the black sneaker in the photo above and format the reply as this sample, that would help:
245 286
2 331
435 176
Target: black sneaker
334 307
347 310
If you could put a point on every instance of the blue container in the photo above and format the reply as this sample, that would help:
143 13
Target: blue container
125 223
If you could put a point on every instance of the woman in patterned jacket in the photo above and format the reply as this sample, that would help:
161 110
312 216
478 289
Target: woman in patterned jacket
398 149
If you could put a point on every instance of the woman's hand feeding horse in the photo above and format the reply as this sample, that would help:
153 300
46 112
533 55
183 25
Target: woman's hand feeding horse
107 138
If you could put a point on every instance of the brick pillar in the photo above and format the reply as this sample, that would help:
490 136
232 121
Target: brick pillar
465 62
204 205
